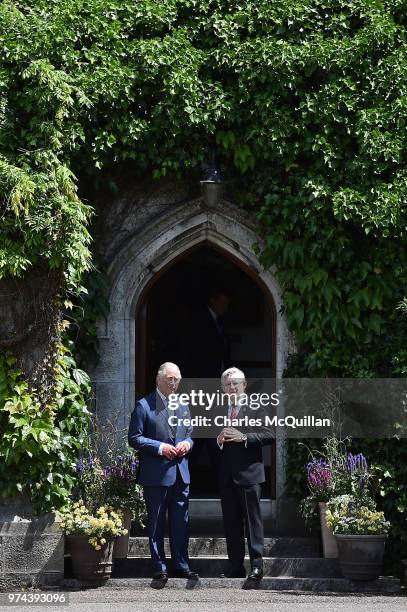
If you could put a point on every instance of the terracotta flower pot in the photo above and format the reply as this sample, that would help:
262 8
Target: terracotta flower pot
361 556
121 545
329 545
88 564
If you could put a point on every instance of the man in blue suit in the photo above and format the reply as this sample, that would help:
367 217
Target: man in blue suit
164 471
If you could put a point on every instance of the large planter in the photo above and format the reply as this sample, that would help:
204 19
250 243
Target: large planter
121 545
329 545
88 564
361 556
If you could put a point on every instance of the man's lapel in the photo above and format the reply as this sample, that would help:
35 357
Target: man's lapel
162 414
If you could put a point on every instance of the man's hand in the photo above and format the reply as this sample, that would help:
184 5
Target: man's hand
231 434
169 451
221 438
182 448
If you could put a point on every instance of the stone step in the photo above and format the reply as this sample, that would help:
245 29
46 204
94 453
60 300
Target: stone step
205 516
384 584
273 547
211 566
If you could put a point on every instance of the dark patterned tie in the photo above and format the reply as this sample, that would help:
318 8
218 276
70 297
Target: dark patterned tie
234 412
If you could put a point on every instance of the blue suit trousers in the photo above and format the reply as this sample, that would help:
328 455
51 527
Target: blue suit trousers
158 500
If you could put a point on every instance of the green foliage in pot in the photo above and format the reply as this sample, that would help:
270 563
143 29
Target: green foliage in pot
332 471
122 490
347 515
108 471
111 481
99 525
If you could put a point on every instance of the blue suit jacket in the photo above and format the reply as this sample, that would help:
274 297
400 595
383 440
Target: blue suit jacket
148 429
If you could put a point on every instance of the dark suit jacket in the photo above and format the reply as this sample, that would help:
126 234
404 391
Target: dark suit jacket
244 465
148 428
208 350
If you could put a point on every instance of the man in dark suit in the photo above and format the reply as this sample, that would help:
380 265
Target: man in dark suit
208 356
208 348
164 471
241 472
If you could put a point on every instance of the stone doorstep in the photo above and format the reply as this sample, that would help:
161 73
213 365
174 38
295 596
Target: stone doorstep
212 566
273 547
383 585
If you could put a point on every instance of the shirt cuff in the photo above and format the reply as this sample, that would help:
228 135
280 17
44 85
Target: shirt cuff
160 448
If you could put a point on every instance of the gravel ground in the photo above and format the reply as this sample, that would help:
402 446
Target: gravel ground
217 600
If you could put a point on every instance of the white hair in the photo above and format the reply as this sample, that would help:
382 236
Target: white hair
231 372
164 366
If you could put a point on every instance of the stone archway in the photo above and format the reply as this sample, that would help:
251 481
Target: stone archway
151 248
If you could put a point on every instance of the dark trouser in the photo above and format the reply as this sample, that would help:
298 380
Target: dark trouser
175 499
241 509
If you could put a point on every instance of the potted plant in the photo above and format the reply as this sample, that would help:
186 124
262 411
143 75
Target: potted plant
320 483
361 532
112 481
107 475
122 491
335 472
91 535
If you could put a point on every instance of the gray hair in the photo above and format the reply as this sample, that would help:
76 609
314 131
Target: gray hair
231 372
164 366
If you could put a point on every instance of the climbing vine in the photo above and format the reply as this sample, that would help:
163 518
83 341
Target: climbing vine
39 446
306 102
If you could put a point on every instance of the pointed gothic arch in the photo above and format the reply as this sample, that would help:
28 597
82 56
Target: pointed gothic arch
146 255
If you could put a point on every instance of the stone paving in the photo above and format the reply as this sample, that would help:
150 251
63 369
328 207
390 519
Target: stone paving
221 600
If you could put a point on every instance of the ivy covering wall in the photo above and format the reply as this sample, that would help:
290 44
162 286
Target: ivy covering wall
306 100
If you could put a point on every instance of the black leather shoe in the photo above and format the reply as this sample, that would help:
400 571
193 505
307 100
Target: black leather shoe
187 574
161 577
159 580
254 578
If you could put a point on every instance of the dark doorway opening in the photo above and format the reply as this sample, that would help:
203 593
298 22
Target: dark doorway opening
165 319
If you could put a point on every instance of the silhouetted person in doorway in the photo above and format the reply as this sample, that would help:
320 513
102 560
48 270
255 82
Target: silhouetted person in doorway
208 357
208 343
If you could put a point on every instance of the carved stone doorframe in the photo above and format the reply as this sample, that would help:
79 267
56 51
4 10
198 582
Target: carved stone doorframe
150 250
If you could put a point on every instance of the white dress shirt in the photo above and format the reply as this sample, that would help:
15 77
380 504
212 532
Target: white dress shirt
230 408
165 402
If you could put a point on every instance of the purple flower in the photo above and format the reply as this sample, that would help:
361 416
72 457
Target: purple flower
319 475
123 468
356 463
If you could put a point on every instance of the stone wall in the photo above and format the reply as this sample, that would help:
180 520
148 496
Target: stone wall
131 208
31 548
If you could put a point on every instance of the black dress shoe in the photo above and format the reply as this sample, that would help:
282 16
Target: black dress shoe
160 577
254 578
187 574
